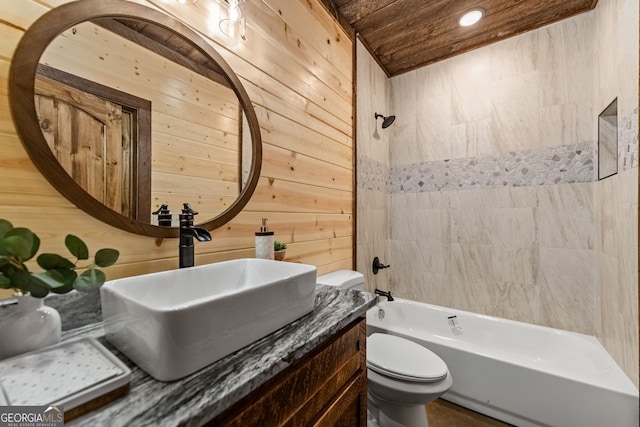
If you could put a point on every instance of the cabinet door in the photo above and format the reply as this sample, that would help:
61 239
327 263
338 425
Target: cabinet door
326 388
348 409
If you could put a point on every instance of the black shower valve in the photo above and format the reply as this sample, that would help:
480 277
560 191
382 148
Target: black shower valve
377 265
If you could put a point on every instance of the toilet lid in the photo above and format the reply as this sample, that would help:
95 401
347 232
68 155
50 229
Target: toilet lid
403 359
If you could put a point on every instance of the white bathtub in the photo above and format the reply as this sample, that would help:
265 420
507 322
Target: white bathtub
523 374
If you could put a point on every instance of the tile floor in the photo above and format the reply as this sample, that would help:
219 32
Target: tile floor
441 413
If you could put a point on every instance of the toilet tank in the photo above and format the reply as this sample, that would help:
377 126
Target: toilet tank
344 279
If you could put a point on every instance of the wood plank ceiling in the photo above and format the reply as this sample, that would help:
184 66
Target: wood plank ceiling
406 34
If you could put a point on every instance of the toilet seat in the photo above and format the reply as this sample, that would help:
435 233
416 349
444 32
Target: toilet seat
403 393
402 359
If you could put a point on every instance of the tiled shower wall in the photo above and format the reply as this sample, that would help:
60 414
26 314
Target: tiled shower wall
372 167
616 198
505 137
493 201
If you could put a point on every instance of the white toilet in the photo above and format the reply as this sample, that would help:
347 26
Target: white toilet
402 375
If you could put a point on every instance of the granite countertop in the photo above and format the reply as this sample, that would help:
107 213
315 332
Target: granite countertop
200 397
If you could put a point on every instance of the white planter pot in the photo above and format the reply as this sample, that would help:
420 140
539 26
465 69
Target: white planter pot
31 326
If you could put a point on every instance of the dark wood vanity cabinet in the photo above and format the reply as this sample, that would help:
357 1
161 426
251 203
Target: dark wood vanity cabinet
328 387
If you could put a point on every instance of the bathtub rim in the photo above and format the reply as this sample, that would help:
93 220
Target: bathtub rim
623 384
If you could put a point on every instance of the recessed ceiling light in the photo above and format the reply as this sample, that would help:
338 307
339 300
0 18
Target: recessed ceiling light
470 18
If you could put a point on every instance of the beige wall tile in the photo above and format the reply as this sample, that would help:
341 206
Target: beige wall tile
617 251
407 148
433 200
565 216
565 279
513 227
511 265
373 222
514 56
516 301
373 142
470 93
616 53
403 275
436 139
566 61
373 235
515 125
404 216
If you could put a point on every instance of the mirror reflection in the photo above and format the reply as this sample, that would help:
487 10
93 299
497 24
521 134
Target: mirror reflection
139 119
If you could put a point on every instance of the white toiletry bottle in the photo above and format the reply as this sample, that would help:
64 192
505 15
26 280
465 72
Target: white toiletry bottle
264 241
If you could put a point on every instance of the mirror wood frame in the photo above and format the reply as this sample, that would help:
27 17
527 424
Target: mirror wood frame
22 104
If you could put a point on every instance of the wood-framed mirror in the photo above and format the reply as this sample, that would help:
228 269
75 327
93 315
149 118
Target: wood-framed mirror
125 182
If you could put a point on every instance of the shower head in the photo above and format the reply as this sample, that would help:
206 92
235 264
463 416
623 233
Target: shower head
386 121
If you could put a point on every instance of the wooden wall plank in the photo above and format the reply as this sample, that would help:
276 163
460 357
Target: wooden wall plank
274 96
274 59
288 228
284 133
10 37
318 30
222 149
306 125
21 14
291 31
268 70
284 164
221 163
6 122
274 195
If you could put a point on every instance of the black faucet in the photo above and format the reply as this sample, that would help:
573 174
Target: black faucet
384 294
187 233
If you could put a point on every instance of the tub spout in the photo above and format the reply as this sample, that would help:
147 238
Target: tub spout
384 294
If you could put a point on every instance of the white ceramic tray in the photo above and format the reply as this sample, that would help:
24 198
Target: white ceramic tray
68 374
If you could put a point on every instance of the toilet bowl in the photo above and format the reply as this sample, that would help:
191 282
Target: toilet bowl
402 375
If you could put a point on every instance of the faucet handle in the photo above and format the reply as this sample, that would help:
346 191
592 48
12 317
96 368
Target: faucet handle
187 209
163 209
186 217
377 265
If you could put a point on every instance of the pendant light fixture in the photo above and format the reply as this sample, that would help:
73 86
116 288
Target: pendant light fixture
232 20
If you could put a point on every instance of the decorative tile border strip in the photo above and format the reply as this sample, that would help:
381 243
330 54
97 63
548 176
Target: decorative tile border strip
555 165
628 143
545 166
372 175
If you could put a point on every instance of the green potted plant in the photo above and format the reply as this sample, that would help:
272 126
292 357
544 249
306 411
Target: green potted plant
33 325
279 250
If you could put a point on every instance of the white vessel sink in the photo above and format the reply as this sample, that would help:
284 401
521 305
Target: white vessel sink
175 322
